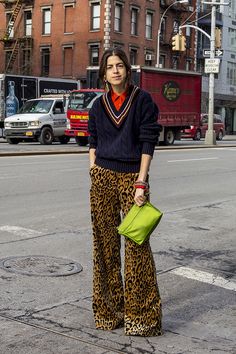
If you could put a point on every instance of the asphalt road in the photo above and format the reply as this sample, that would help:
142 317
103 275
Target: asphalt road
44 211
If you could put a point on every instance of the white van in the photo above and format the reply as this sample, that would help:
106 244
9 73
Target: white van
42 119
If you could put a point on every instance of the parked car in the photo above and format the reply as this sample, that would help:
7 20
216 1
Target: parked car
41 119
196 132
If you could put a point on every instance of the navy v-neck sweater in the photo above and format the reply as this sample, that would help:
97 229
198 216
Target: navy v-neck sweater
121 137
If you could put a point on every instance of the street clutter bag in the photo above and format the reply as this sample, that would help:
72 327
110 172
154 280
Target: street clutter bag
140 222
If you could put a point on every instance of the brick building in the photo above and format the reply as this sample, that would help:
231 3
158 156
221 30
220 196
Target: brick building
66 38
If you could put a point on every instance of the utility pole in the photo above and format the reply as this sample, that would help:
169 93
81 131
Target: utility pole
210 138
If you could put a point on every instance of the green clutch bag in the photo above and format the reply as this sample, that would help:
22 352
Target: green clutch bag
140 222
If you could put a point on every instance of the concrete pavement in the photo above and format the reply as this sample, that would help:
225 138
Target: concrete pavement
47 314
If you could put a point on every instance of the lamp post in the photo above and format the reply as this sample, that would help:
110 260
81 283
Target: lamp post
159 28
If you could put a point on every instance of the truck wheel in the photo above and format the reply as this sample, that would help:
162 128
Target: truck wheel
220 135
13 140
169 137
46 136
64 139
81 141
197 135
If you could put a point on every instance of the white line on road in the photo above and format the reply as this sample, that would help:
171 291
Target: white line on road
205 277
200 159
20 231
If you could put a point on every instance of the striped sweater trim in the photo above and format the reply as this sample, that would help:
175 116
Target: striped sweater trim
119 118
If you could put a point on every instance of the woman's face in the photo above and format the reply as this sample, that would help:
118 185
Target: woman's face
116 73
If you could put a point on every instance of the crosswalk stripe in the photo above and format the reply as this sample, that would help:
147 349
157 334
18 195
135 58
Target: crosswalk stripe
205 277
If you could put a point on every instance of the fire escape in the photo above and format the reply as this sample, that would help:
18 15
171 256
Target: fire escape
14 37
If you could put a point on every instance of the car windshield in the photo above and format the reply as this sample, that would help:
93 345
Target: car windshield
82 100
37 106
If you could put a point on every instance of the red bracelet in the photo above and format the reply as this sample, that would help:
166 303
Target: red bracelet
140 186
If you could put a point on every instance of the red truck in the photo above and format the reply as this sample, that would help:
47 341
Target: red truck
80 101
177 94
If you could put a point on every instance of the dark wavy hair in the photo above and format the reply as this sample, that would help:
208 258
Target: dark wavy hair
122 55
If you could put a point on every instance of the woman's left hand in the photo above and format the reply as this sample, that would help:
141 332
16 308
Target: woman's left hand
140 197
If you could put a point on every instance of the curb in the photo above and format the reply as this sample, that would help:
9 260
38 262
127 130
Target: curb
67 152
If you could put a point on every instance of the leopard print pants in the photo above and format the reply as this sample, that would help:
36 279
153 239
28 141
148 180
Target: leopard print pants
136 304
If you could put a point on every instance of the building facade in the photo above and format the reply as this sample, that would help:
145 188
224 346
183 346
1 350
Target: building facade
66 38
225 81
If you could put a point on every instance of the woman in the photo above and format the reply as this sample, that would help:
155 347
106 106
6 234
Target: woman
123 132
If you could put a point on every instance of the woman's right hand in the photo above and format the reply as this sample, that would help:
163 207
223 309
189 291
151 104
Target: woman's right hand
140 197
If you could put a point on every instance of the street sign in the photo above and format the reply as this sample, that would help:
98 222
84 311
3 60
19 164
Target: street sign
218 52
212 66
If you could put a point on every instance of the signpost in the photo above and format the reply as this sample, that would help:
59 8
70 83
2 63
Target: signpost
218 52
212 66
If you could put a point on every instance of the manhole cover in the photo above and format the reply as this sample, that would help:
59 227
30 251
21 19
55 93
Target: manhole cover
40 266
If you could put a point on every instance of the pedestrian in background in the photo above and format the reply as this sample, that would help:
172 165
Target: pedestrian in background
123 133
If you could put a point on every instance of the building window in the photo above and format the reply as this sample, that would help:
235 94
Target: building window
162 61
175 61
163 30
188 37
46 21
231 74
45 61
133 56
188 65
232 9
95 16
28 23
148 59
134 22
149 20
175 26
94 55
117 20
8 56
67 61
27 61
10 25
232 39
69 19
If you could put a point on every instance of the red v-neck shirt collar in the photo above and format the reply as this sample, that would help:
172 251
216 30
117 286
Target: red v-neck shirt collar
118 100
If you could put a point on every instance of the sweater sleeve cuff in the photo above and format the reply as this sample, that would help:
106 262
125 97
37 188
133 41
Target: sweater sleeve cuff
148 148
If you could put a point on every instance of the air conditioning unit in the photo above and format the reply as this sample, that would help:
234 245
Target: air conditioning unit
190 8
148 57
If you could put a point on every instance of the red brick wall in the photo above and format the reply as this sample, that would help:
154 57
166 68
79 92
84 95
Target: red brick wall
82 35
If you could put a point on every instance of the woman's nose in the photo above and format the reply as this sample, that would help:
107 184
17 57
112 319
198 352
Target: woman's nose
115 69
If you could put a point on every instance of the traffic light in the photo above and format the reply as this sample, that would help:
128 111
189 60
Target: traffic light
218 36
179 42
176 42
182 43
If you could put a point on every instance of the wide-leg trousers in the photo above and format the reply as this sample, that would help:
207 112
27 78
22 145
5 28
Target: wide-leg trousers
133 301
